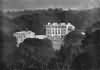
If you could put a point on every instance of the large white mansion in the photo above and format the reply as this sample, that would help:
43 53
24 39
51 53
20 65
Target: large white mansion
56 31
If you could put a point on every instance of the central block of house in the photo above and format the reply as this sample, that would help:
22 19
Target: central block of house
56 31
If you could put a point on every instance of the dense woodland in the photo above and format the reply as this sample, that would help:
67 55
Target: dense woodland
79 52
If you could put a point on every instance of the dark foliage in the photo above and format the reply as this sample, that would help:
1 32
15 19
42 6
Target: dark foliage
82 62
91 58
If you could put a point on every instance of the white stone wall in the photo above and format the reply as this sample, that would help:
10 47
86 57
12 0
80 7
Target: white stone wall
57 31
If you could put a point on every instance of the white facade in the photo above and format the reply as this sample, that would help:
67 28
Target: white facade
57 31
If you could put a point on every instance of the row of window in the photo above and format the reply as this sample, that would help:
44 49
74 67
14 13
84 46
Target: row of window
55 32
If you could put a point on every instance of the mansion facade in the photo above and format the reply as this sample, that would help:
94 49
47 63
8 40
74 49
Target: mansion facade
56 31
